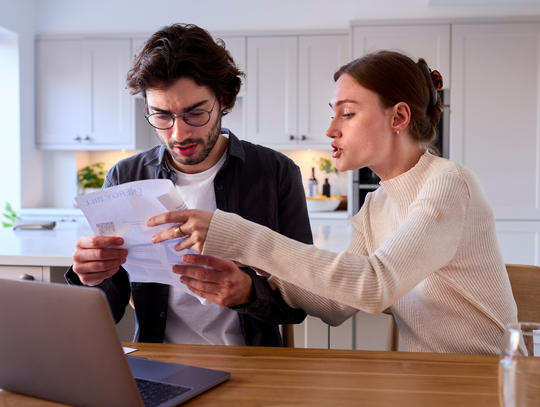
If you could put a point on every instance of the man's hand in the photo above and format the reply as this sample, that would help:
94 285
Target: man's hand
194 225
94 260
224 283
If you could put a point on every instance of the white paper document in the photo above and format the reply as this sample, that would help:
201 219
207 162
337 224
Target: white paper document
123 210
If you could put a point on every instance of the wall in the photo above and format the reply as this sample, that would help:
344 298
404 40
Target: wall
233 15
25 18
18 157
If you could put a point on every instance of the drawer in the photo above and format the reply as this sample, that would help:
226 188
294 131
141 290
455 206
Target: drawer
15 272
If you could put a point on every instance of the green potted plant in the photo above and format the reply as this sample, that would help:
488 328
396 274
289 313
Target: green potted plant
326 165
91 178
11 216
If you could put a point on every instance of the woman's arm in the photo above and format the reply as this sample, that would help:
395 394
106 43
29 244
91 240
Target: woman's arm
331 312
426 241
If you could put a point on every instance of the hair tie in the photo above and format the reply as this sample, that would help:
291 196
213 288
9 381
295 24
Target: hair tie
434 81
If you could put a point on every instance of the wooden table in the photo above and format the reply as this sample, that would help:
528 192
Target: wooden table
321 377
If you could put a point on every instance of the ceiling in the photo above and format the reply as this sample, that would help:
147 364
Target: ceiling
479 2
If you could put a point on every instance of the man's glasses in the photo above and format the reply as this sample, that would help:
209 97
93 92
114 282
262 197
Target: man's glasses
195 118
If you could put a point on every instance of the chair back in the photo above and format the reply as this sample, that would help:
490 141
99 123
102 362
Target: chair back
525 282
287 333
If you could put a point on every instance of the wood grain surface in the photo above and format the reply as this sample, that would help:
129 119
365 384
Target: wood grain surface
321 377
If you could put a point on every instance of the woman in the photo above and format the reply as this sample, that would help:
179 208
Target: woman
424 243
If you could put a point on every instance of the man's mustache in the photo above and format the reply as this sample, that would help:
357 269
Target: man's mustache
186 142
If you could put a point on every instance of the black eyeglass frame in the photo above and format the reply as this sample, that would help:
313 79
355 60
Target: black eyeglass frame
183 116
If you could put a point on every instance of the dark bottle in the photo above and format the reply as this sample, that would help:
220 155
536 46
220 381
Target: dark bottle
326 188
312 184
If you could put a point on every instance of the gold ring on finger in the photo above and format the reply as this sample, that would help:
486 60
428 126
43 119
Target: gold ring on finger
178 232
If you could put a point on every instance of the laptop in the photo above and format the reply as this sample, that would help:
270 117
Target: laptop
59 342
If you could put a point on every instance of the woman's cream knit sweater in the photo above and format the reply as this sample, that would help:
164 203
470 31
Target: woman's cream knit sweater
424 243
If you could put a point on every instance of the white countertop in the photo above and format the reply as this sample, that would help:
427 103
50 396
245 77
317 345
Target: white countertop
41 247
54 247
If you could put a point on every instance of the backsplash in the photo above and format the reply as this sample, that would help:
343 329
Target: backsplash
306 159
60 174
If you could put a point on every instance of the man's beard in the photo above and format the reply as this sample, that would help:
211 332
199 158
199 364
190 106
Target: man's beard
211 139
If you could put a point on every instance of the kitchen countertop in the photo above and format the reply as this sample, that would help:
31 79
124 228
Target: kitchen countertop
41 247
53 248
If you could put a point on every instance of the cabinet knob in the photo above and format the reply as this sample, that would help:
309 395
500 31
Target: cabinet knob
26 277
78 138
291 137
87 138
303 137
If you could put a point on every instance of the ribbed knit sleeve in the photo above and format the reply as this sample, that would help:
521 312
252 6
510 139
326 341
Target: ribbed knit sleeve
369 283
424 243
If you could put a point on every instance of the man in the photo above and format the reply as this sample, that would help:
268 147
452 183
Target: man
189 82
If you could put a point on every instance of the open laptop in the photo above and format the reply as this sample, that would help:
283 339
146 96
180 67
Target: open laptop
59 343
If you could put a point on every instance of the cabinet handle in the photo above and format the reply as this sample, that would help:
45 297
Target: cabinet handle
87 138
78 138
26 277
291 137
303 137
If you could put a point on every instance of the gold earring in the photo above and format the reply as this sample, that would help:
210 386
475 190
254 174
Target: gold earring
398 132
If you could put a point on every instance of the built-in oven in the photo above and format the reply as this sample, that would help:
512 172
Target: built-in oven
364 180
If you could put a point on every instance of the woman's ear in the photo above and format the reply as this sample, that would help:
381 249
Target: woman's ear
401 116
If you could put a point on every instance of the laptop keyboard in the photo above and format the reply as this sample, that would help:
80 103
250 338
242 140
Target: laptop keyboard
154 394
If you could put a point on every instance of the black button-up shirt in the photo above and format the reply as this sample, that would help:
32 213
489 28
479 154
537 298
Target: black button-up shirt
255 182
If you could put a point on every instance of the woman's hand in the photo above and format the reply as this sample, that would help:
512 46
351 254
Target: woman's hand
194 224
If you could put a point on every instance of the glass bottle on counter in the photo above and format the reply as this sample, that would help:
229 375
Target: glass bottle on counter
326 188
312 184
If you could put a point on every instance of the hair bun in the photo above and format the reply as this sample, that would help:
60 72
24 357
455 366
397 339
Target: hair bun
434 81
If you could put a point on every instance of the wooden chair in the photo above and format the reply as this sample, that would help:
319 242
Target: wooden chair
525 282
287 334
287 331
392 336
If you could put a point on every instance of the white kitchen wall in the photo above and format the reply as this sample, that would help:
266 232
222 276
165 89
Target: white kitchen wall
9 122
233 15
17 30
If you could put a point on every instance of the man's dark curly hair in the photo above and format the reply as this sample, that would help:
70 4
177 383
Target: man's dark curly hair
185 50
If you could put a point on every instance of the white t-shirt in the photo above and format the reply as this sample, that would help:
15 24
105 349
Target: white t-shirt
188 321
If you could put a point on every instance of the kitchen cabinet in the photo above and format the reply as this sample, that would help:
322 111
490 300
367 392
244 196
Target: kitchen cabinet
495 113
15 272
290 82
428 41
235 119
82 103
519 241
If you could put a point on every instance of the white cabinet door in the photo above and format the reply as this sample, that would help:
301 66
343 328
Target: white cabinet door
319 58
519 241
82 103
272 69
60 90
109 105
495 112
431 42
235 120
237 48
